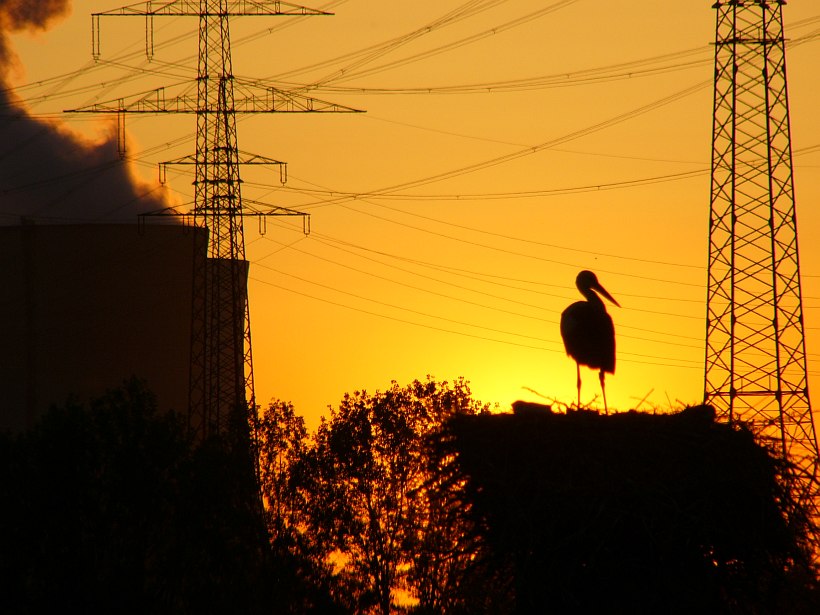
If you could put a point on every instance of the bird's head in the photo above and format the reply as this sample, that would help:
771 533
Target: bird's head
588 281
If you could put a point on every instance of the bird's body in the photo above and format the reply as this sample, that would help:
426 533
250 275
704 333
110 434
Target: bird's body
588 332
589 335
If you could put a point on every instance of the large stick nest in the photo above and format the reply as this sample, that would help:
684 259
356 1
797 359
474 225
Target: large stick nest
633 511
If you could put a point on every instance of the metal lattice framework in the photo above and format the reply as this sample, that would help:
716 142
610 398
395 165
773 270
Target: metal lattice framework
221 373
755 351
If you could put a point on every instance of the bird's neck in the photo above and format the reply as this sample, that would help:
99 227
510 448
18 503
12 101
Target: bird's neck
592 297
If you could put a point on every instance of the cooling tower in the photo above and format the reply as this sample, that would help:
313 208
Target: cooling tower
85 307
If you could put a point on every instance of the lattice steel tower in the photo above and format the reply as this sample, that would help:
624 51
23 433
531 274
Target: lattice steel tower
755 351
221 371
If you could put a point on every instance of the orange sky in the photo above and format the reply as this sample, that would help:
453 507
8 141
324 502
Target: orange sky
464 275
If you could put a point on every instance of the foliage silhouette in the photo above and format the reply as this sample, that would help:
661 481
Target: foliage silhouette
630 513
283 442
357 496
416 492
109 508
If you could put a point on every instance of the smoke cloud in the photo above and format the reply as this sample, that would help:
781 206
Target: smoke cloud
49 173
22 14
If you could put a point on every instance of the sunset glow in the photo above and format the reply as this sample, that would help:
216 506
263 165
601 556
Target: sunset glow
505 147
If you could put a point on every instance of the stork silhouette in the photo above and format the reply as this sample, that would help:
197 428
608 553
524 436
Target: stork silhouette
588 332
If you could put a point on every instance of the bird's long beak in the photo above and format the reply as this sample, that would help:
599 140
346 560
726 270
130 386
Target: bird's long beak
602 291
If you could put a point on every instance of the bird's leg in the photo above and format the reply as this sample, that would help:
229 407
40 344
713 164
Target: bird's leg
603 390
578 368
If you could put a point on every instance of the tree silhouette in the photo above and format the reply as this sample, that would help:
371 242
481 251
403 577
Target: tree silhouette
362 492
84 497
108 507
283 445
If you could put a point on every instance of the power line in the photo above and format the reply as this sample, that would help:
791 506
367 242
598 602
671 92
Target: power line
528 151
513 252
553 320
462 333
518 194
665 342
366 55
539 243
605 74
348 74
402 308
497 280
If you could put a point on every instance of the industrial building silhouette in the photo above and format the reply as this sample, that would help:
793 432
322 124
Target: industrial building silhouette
87 306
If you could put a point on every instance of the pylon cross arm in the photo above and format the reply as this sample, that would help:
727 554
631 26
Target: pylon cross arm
193 8
257 100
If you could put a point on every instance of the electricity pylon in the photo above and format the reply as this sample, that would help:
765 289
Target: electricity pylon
755 348
221 372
